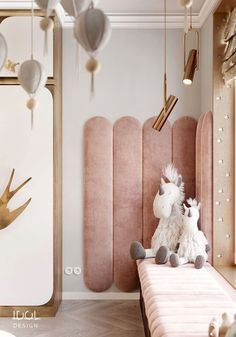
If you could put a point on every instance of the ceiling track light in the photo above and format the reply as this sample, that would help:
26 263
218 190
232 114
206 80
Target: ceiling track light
192 63
169 103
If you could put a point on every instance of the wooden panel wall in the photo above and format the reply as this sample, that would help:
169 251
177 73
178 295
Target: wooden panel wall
223 161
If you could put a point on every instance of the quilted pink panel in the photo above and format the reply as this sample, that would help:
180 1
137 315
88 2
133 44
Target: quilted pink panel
184 149
157 153
98 204
205 175
127 199
199 157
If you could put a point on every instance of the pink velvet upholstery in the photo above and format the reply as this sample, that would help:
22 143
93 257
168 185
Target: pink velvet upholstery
157 153
199 158
184 140
182 301
127 199
204 175
98 204
138 162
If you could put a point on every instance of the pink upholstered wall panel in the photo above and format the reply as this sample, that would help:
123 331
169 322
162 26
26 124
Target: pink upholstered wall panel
184 146
199 158
205 175
98 204
127 199
157 153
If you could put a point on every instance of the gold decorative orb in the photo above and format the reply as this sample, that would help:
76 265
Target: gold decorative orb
93 66
46 24
32 104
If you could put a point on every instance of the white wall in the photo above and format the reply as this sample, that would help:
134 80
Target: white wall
130 83
207 65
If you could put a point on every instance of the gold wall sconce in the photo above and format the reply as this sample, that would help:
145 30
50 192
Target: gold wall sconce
169 103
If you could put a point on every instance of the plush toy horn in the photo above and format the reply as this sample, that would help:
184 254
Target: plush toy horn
92 31
161 190
3 51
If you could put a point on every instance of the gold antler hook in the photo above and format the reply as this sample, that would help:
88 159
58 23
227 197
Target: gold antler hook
7 216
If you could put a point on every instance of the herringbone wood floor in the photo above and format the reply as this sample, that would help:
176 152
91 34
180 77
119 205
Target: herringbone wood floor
84 319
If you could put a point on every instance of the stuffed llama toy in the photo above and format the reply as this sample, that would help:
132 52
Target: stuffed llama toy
167 206
193 245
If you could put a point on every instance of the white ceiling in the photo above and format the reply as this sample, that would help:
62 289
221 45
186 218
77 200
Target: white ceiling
132 14
146 6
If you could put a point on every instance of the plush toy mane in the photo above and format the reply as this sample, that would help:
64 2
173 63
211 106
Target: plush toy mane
171 173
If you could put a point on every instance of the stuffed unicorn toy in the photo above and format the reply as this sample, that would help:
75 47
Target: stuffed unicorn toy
193 245
167 206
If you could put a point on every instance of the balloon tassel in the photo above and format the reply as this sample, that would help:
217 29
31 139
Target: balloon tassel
32 119
92 89
45 49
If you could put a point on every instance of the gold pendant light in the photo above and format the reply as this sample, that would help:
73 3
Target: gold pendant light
169 103
192 63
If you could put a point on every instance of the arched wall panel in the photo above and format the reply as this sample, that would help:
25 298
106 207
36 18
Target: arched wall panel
199 158
121 181
183 151
98 204
204 175
127 199
157 153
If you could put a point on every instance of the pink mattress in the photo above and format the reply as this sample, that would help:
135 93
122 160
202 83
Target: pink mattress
182 301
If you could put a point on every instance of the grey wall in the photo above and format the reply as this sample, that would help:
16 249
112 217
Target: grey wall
207 65
130 83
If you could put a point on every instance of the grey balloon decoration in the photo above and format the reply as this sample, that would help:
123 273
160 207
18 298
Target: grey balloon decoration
47 24
92 31
32 78
3 51
75 7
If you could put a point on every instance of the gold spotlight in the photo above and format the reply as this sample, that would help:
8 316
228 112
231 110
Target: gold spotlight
192 63
165 112
169 103
190 67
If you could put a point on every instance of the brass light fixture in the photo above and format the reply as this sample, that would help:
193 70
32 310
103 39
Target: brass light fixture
192 63
169 103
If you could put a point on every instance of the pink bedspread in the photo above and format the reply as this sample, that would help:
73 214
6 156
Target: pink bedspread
182 301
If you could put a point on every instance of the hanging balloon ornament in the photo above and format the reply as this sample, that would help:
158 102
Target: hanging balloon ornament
187 4
75 7
92 31
3 51
47 24
32 76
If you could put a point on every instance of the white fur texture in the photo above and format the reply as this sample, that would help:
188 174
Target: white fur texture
192 241
167 206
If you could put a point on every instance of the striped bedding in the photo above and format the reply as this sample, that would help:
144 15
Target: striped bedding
182 301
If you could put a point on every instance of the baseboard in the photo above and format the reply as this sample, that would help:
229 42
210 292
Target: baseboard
99 296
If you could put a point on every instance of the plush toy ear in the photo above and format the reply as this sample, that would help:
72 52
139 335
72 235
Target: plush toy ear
185 207
179 181
199 206
162 181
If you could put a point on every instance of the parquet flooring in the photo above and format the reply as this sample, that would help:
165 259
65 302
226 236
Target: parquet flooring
83 319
